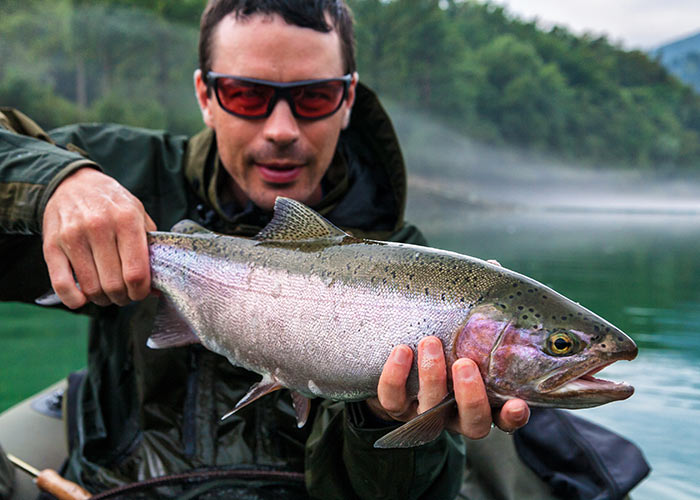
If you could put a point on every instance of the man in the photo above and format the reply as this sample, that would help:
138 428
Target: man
139 413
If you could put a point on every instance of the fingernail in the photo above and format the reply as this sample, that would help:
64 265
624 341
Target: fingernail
465 370
433 348
401 356
521 414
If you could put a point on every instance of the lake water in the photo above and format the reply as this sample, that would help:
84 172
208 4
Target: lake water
639 271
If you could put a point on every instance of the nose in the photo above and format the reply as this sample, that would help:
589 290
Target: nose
281 127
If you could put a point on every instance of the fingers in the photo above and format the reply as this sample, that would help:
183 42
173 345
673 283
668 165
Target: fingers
514 414
432 374
391 390
94 228
474 411
135 264
62 280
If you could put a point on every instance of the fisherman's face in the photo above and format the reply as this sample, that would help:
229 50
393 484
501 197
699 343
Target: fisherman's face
279 155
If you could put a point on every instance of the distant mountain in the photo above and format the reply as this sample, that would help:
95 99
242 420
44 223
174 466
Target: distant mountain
682 58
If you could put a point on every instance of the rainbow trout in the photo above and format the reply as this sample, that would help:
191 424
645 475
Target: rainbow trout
314 309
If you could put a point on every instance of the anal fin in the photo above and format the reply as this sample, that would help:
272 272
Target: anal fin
302 407
421 429
267 385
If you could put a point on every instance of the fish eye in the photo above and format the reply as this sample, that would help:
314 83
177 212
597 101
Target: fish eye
561 343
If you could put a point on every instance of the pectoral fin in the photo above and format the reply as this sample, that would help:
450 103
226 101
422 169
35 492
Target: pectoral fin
422 429
170 328
267 385
302 407
48 299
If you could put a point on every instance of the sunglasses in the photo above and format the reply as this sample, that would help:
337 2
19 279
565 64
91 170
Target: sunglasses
253 98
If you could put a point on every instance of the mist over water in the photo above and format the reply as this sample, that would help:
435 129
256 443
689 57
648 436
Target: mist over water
449 167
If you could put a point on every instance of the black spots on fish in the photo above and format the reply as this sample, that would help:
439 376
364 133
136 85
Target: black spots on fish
461 299
620 339
537 315
524 316
520 308
530 290
393 274
531 310
515 285
427 292
518 293
602 345
563 318
443 297
511 296
502 306
544 297
607 329
596 328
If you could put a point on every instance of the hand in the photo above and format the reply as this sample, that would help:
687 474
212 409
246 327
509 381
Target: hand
474 416
94 227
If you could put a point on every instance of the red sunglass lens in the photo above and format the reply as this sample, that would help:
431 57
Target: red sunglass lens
243 98
312 101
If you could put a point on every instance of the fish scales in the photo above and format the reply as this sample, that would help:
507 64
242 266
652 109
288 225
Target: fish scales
313 301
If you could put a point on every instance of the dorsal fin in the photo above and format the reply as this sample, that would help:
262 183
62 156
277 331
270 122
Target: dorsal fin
293 220
187 226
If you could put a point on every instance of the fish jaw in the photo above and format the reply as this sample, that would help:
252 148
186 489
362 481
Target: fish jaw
586 391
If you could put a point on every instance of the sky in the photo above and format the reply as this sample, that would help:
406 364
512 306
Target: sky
635 24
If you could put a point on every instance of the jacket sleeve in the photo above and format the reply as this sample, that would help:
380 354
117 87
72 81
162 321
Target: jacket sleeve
31 166
351 468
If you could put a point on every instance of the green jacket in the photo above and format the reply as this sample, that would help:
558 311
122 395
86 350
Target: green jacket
145 413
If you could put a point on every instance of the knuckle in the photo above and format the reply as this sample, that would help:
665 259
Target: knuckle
433 377
136 275
91 289
114 287
63 287
95 223
70 233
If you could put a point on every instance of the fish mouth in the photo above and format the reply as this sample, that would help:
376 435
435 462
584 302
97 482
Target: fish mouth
584 390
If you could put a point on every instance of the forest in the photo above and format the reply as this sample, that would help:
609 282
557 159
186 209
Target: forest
471 65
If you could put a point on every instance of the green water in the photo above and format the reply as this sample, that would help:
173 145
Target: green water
39 347
641 272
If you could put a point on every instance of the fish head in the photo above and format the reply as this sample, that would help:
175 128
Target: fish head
541 347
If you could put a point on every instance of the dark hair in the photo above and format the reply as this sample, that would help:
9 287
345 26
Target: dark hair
303 13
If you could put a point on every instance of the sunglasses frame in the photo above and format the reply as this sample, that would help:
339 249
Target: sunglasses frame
281 89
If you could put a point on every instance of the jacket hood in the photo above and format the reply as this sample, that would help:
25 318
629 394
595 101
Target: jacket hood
367 193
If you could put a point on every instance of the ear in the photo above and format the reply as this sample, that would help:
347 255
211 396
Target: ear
204 100
347 107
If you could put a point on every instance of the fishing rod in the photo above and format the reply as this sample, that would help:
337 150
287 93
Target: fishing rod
50 481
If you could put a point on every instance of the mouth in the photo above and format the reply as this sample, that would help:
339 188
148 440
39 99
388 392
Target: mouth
279 172
586 390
